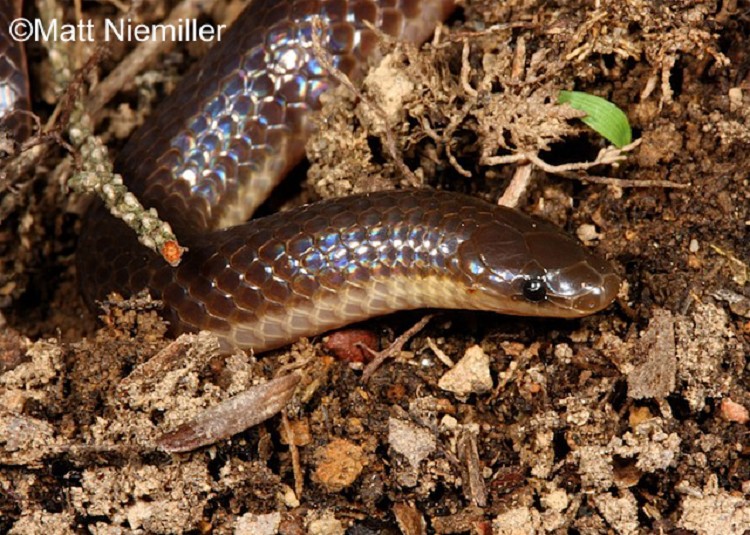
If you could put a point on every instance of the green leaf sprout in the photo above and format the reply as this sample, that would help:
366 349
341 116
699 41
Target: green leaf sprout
602 116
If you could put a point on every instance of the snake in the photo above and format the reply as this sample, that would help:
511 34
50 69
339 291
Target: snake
14 81
214 149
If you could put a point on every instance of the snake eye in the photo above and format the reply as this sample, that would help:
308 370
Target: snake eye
535 289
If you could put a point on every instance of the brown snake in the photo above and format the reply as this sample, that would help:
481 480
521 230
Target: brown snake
213 150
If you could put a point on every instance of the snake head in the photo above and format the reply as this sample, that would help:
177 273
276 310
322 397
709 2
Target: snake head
531 268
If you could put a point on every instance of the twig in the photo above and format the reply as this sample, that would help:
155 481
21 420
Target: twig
466 70
460 36
517 187
439 353
625 182
299 480
141 56
607 156
96 175
393 349
251 407
474 487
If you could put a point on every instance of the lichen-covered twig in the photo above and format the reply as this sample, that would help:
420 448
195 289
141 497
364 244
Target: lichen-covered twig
96 175
94 169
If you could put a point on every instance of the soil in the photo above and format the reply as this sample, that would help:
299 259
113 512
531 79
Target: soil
634 420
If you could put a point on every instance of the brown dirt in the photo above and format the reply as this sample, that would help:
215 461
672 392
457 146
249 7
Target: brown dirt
627 422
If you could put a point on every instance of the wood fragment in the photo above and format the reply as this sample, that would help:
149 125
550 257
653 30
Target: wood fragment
232 416
299 479
473 487
409 518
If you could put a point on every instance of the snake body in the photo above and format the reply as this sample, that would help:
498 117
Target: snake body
298 273
225 137
14 84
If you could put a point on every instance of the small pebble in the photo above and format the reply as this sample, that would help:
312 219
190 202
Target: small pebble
587 233
414 442
252 524
735 98
471 375
345 344
338 464
734 412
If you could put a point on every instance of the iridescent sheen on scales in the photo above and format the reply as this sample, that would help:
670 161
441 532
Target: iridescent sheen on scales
321 266
211 153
